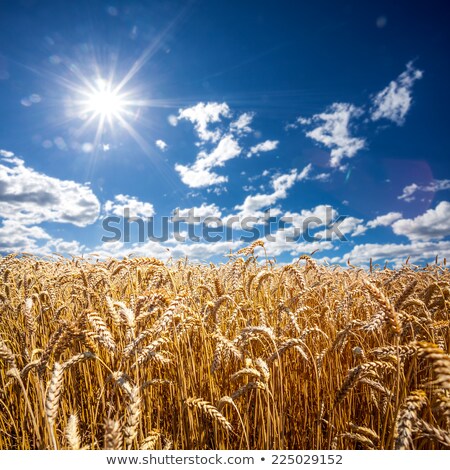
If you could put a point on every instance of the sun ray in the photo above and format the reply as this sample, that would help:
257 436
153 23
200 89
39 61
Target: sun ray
151 49
104 99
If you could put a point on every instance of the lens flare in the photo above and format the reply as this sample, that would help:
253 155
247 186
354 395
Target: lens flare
105 102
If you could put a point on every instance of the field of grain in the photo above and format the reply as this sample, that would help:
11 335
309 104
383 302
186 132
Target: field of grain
140 354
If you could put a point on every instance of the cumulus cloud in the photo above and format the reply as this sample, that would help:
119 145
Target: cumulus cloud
327 216
61 246
6 153
409 191
334 131
252 205
384 220
305 222
218 143
30 197
161 145
282 244
433 224
352 226
323 212
199 174
333 127
17 237
119 249
136 208
199 178
202 211
307 174
397 252
201 116
196 252
242 125
265 146
204 251
394 101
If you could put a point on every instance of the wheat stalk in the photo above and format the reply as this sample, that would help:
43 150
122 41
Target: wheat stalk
210 410
72 435
113 435
407 418
133 416
54 392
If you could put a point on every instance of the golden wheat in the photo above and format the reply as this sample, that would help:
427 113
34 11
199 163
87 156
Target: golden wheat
113 354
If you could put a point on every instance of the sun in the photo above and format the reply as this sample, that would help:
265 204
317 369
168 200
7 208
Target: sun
105 102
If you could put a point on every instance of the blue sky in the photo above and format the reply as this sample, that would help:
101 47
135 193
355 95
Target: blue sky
332 110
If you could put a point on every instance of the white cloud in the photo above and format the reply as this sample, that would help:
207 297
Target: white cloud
196 252
226 136
352 226
199 175
198 178
306 174
347 226
397 252
242 125
324 212
202 211
333 127
201 115
63 247
218 190
173 121
265 146
394 101
136 208
384 220
334 131
118 249
324 216
433 224
204 251
6 153
284 242
322 177
161 145
252 205
299 121
226 149
432 187
408 192
17 237
30 197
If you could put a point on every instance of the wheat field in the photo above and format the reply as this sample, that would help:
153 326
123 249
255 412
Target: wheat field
141 354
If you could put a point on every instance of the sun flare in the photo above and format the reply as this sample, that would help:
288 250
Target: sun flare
105 102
